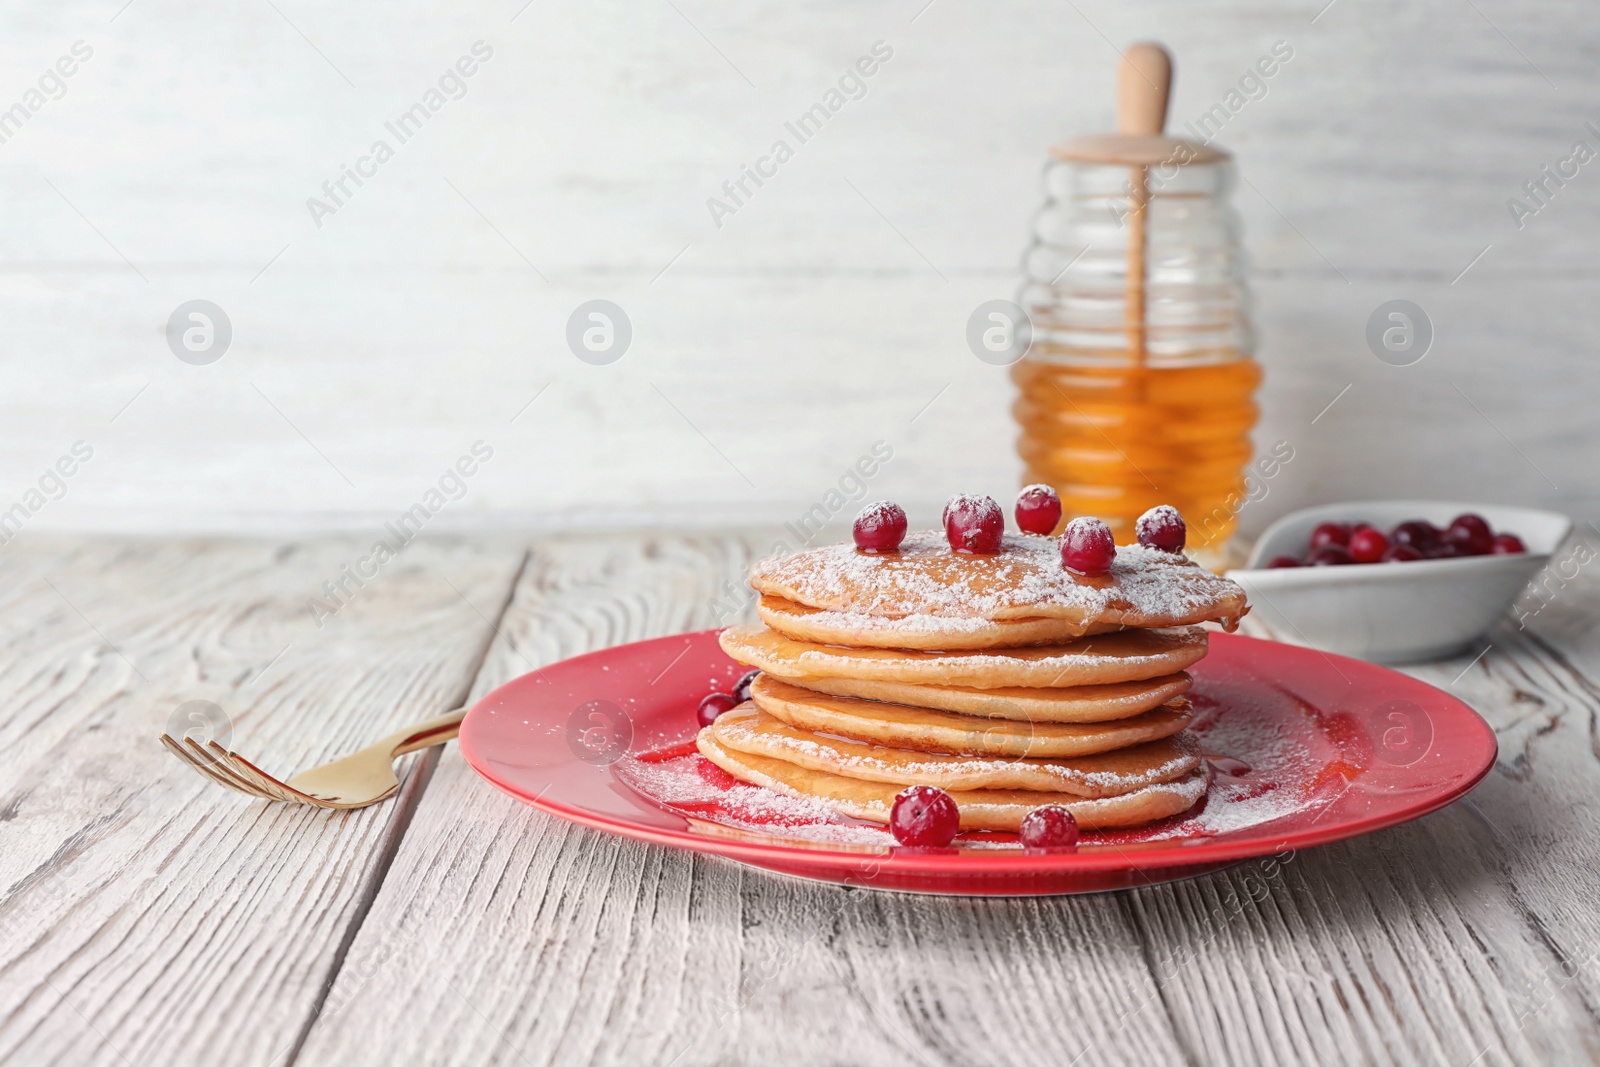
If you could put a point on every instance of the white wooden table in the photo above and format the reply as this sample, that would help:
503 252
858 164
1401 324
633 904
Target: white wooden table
148 917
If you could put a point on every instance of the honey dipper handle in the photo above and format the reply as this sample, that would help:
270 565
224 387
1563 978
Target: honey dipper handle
1144 79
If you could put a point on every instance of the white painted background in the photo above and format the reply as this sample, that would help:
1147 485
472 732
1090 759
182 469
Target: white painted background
776 349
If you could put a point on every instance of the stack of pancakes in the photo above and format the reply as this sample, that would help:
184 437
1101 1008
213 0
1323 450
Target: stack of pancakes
1006 680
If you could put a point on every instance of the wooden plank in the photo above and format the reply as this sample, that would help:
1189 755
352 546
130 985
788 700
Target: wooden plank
1460 938
503 936
1408 947
148 915
1387 160
840 364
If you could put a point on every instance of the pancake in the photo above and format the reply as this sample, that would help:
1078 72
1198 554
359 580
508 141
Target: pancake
925 730
1125 656
928 596
748 730
981 809
1084 703
916 631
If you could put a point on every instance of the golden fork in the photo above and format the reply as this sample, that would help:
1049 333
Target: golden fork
353 782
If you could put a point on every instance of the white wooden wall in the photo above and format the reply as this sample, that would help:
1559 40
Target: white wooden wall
771 352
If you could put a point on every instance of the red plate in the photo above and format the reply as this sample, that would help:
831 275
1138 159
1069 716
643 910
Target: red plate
1308 748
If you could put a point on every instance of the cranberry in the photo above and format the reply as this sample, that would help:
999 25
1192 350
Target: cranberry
1446 549
1051 826
880 527
1283 561
1330 533
1330 556
1401 554
924 817
1472 533
1418 534
1367 545
741 688
974 524
1161 527
1087 547
714 705
1507 545
1038 509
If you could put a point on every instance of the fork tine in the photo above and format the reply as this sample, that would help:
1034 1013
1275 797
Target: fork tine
226 764
223 773
263 781
205 768
266 785
249 772
189 761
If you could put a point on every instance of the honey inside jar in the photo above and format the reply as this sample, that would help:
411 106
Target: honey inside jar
1116 440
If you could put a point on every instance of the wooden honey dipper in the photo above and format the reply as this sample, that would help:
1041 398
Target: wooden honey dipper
1144 83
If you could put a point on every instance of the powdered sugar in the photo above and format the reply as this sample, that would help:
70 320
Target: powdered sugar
1285 775
855 759
1026 579
917 623
1290 771
696 788
1129 655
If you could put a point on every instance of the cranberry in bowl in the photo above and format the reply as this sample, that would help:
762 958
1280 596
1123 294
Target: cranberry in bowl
1433 590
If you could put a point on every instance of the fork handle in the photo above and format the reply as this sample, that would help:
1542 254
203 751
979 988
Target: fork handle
426 734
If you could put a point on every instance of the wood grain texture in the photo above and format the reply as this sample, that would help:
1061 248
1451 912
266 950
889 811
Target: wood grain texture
819 318
147 915
1489 889
151 917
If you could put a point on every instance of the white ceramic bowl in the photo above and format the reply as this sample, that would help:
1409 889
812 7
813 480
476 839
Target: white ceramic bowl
1394 612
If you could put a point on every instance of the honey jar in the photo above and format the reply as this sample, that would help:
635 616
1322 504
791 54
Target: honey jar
1138 387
